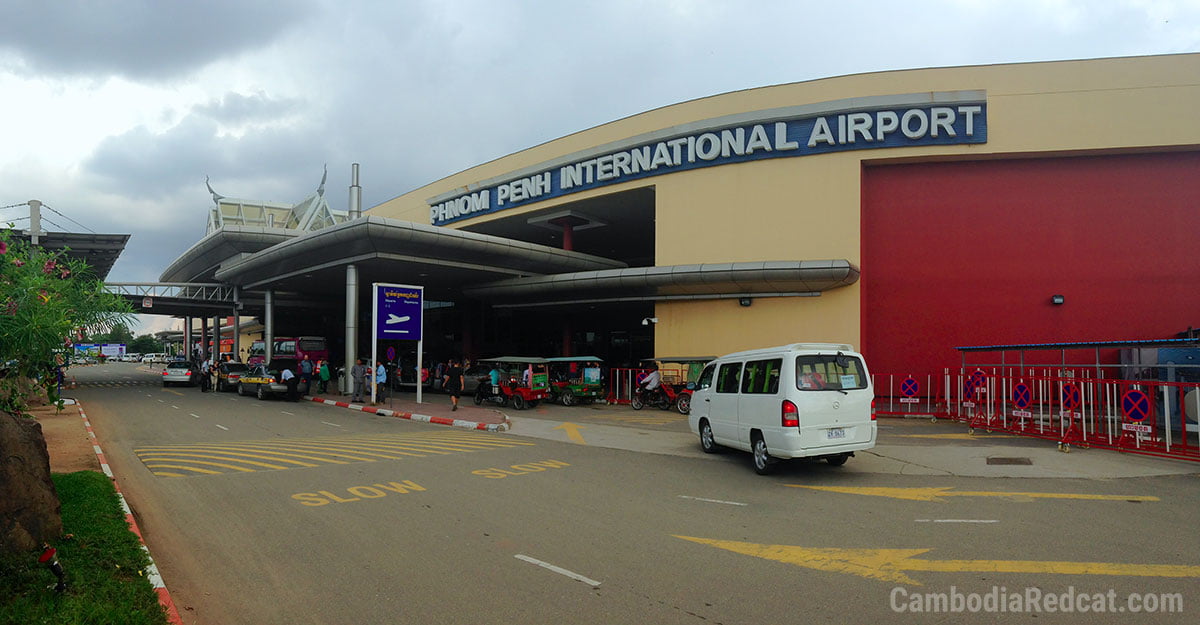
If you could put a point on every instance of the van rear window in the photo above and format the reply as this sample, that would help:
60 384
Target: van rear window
829 372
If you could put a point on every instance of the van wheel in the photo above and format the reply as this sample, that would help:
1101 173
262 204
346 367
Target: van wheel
838 461
707 443
762 459
518 402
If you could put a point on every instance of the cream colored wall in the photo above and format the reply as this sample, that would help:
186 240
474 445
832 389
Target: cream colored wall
808 207
716 327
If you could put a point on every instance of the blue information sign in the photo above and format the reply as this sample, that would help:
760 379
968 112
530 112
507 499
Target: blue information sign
398 312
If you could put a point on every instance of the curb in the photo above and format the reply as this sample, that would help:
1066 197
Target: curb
156 580
384 412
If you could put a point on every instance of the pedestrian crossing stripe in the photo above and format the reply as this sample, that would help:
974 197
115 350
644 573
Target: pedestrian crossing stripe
281 454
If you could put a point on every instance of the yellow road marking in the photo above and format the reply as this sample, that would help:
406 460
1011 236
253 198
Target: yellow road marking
940 493
184 458
572 431
175 466
888 564
167 390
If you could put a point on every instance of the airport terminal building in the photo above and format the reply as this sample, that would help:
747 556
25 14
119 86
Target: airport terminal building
904 212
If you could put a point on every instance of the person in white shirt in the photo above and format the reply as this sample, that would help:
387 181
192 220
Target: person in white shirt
650 383
205 368
287 377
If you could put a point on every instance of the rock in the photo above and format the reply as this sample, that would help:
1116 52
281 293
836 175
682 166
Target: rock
30 513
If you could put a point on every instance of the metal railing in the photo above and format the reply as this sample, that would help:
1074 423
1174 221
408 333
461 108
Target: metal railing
196 291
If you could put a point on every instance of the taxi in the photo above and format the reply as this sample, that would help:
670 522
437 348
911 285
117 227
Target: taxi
261 383
228 374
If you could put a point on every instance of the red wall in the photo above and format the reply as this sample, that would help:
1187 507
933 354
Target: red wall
969 253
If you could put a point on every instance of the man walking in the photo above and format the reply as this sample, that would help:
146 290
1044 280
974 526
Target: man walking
358 377
453 383
306 375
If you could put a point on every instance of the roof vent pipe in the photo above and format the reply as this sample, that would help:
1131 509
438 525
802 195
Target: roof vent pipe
355 193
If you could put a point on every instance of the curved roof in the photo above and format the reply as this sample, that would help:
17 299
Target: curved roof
443 256
200 262
778 278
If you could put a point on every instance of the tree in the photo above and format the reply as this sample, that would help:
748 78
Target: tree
46 300
120 334
144 344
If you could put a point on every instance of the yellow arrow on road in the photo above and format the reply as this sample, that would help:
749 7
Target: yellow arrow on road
889 564
940 493
573 432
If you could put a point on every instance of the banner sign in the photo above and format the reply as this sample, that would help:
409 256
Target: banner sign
951 118
398 311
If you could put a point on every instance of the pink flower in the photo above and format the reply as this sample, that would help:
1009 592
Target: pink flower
49 267
18 262
3 247
64 272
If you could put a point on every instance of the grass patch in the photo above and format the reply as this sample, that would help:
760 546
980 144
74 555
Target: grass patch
104 565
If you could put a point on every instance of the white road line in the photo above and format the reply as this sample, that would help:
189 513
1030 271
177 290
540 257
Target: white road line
956 520
560 571
175 407
333 424
194 415
732 503
161 401
286 412
221 426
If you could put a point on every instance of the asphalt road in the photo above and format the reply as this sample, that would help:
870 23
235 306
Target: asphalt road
277 512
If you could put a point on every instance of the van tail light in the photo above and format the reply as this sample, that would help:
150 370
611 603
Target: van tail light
873 415
790 415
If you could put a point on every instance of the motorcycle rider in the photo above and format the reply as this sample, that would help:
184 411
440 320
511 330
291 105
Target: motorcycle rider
649 386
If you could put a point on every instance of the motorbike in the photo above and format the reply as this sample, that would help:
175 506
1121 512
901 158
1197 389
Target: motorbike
484 392
656 398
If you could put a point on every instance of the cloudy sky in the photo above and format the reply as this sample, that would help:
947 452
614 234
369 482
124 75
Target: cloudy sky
114 112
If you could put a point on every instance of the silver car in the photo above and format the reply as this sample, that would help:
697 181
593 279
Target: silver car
180 372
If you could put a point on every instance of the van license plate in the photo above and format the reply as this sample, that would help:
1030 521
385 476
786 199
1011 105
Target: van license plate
835 433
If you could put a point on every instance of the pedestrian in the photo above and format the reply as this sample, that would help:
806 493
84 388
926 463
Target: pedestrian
453 383
381 377
287 377
204 379
358 376
306 374
323 371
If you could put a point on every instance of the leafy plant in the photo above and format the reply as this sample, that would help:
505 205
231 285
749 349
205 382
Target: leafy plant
46 299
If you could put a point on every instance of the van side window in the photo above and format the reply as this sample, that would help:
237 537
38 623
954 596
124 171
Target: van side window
706 377
823 373
762 376
727 379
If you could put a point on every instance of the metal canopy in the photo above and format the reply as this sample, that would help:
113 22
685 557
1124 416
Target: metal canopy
769 278
441 259
99 251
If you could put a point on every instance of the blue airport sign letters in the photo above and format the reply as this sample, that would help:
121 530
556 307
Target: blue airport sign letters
952 123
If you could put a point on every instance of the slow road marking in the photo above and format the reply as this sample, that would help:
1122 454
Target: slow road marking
889 564
939 494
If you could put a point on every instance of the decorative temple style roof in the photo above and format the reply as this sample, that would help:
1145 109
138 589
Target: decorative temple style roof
311 213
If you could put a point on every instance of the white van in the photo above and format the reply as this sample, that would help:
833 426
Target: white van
806 400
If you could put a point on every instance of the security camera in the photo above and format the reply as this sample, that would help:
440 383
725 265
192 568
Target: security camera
649 320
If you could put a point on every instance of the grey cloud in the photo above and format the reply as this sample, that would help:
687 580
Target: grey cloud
235 108
139 39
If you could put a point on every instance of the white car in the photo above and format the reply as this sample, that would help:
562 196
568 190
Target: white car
806 400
